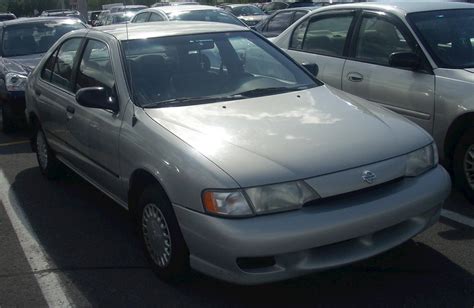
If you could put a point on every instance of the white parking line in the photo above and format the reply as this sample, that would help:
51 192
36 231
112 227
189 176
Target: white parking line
458 218
48 281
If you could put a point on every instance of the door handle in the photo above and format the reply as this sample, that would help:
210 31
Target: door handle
37 92
70 109
355 77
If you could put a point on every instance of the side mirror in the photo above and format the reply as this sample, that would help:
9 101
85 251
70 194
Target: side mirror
313 68
253 28
96 97
404 60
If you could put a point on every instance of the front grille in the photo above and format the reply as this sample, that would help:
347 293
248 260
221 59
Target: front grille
356 193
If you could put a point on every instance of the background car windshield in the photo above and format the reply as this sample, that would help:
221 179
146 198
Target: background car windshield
248 10
205 15
32 38
213 65
449 36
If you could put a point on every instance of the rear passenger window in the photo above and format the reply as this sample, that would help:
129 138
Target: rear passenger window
62 70
156 17
327 35
298 36
378 39
95 69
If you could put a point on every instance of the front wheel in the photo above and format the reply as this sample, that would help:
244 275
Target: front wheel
48 163
161 235
463 164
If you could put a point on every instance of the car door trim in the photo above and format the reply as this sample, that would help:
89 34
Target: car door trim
92 182
407 112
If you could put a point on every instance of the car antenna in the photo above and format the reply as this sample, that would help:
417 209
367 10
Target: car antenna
134 117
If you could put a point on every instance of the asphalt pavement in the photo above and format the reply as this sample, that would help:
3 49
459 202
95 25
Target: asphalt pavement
64 243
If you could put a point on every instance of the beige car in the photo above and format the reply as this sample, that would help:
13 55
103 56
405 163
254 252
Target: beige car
416 59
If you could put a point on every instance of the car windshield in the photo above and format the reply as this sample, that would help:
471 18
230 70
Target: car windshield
247 10
448 35
34 37
205 15
207 68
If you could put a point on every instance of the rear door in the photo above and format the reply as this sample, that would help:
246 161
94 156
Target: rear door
367 72
323 39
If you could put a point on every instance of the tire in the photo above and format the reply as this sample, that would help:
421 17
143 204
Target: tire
161 236
49 165
8 124
463 164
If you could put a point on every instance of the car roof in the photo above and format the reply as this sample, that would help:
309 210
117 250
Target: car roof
180 8
239 5
166 28
402 8
36 20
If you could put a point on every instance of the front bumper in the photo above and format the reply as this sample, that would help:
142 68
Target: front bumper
334 232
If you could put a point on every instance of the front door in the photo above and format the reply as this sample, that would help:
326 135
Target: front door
97 130
368 74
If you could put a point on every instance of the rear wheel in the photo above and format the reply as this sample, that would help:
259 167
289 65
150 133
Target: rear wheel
161 236
49 165
463 163
8 123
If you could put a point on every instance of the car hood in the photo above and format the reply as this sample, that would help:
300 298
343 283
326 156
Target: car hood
293 135
465 75
22 64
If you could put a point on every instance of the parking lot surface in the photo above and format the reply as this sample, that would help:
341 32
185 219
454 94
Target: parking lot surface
64 243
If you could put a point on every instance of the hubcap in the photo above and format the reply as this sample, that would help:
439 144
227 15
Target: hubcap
469 166
156 235
42 149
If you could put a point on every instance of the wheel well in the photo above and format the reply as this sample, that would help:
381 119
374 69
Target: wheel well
139 180
455 132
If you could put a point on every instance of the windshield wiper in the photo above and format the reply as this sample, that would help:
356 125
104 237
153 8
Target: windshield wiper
269 91
184 101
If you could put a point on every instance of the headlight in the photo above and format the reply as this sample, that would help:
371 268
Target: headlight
421 160
262 199
226 203
15 82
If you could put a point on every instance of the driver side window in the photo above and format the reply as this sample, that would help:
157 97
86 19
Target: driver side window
63 63
378 39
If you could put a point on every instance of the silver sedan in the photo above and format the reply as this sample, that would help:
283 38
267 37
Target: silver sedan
231 157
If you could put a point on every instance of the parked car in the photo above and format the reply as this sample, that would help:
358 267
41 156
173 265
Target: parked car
249 14
63 13
414 59
279 21
232 158
184 12
7 16
101 18
93 16
272 7
23 43
118 18
127 8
